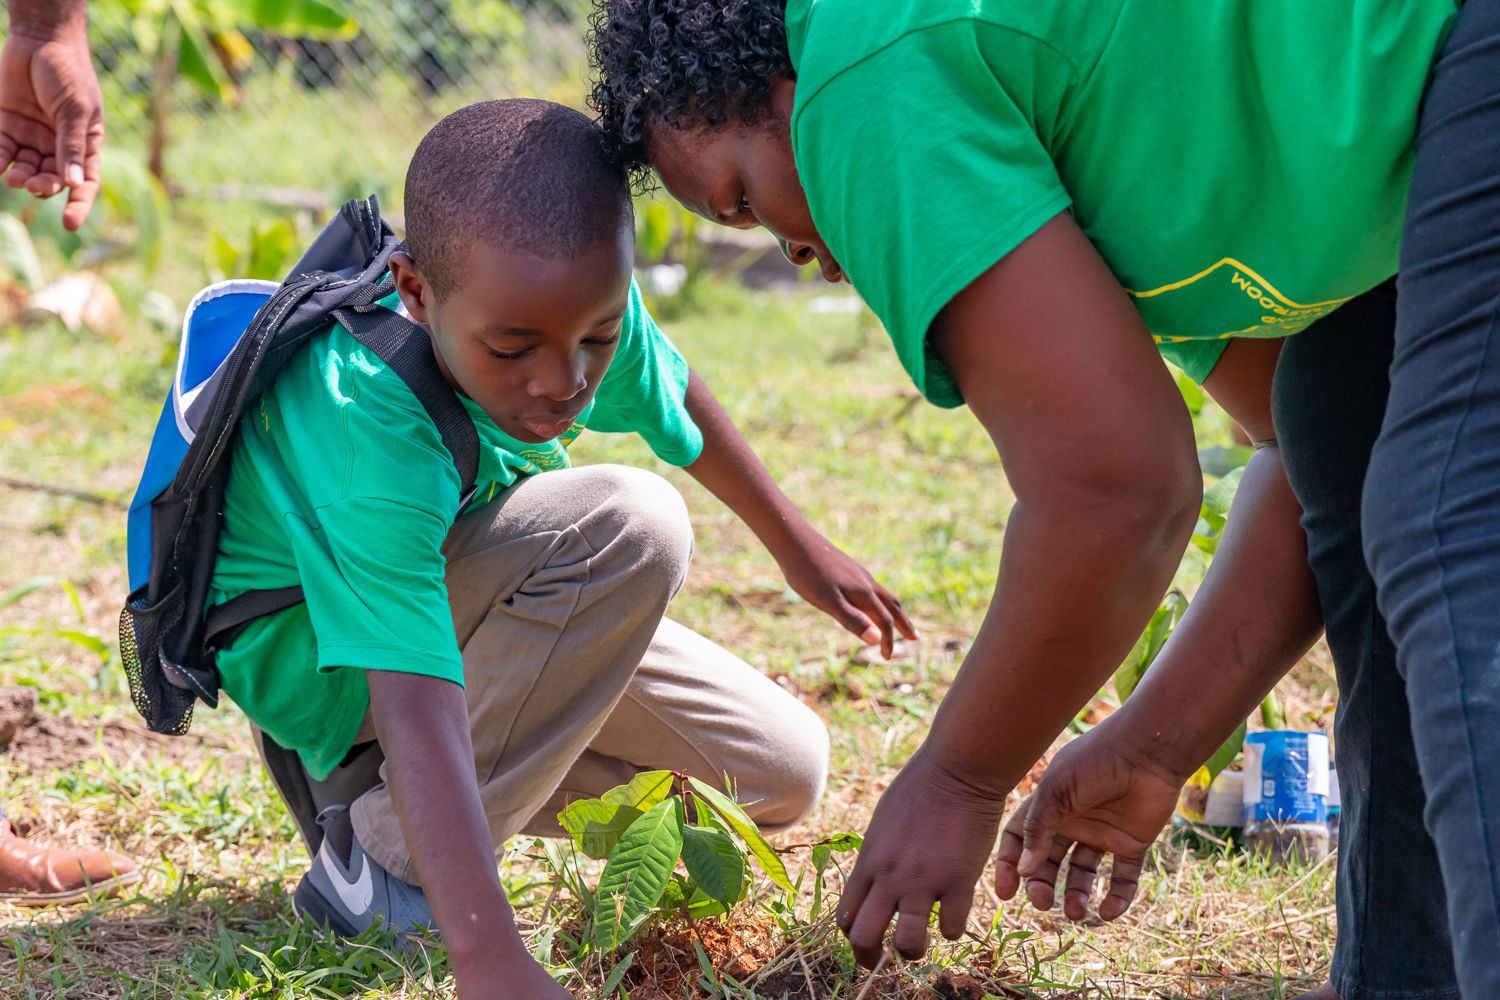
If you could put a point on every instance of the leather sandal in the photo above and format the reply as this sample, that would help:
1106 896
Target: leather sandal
47 876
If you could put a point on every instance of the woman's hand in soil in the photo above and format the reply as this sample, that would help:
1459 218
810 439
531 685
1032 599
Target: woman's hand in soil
927 843
833 582
1097 797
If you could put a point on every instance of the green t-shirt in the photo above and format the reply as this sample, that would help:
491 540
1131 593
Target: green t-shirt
340 482
1240 165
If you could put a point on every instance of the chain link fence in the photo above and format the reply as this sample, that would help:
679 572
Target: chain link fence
304 103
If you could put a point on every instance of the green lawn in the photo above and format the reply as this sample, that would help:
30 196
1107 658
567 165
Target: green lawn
914 491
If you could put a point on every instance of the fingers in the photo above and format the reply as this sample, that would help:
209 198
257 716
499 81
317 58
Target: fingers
953 914
1007 878
1041 884
893 602
875 608
26 163
865 926
1044 813
72 125
1083 866
911 938
81 198
1123 880
46 182
83 175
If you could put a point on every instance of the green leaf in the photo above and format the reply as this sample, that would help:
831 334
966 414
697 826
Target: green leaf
1192 394
1272 715
1219 497
1224 756
597 825
765 855
28 586
641 792
269 250
323 20
636 874
823 851
18 252
715 862
617 974
1128 675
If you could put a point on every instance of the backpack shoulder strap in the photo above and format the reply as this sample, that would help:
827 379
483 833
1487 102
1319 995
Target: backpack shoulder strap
405 347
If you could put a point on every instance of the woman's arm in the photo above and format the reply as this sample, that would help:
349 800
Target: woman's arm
814 567
1255 616
1098 448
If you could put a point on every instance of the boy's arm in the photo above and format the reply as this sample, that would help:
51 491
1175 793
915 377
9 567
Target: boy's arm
423 725
814 567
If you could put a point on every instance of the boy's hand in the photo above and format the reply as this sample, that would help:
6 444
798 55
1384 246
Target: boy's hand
502 974
1098 796
814 567
51 110
834 583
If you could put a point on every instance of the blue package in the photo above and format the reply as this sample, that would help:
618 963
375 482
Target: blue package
1286 777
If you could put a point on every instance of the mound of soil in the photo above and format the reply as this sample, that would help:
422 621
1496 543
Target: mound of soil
37 741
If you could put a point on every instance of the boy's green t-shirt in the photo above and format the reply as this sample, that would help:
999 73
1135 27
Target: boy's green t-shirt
340 482
1241 165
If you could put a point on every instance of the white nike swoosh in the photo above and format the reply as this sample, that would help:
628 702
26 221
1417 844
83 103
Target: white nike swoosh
355 895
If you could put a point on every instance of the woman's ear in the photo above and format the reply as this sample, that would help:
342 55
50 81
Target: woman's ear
416 293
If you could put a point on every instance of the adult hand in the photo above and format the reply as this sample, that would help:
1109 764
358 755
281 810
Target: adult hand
928 843
51 110
1098 796
833 582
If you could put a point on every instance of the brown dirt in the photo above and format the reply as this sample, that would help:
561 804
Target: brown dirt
37 741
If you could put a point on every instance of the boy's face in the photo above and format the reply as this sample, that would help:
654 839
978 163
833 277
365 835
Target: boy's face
526 338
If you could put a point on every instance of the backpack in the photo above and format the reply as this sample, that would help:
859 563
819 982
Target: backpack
236 335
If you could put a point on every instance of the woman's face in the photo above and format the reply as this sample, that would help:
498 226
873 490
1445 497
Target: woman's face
744 176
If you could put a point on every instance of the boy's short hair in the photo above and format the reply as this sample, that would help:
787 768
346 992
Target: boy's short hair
524 175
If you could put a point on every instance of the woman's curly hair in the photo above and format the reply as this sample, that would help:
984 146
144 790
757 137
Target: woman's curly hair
684 63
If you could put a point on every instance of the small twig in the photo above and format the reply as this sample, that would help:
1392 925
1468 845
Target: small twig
62 491
884 958
812 994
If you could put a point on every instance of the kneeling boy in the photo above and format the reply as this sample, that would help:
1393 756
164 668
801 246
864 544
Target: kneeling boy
512 655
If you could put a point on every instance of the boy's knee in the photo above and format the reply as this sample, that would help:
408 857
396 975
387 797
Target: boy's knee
644 517
793 788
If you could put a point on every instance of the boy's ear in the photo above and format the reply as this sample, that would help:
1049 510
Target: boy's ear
415 292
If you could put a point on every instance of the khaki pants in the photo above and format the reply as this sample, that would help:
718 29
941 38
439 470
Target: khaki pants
574 680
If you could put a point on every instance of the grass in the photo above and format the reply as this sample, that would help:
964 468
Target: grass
914 491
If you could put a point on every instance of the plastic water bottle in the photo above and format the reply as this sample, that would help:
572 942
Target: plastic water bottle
1285 790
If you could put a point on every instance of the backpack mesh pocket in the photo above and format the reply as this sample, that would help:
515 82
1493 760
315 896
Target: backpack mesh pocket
166 708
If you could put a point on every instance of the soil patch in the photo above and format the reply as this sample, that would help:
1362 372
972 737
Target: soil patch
33 740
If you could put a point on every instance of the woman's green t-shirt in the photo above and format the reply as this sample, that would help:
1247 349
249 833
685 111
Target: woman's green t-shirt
1240 165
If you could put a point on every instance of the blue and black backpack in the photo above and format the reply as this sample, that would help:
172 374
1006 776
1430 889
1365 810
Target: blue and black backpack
236 335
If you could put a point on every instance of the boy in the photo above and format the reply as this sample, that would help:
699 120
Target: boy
523 643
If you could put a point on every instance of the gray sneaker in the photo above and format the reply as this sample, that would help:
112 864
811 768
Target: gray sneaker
347 890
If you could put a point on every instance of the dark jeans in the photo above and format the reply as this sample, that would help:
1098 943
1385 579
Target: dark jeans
1432 497
1328 400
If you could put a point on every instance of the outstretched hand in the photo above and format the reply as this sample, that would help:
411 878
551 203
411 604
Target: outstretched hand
1097 797
835 583
51 119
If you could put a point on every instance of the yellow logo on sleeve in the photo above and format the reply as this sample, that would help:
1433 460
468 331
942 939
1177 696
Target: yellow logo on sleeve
1228 299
